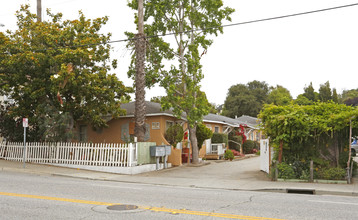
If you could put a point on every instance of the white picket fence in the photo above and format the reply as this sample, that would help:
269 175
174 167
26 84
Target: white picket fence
88 154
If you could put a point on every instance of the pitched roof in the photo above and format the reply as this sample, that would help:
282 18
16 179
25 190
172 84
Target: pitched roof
220 119
249 121
153 108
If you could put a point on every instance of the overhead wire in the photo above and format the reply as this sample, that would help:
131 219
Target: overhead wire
209 28
242 23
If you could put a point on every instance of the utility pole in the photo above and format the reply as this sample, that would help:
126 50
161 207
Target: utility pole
39 11
140 49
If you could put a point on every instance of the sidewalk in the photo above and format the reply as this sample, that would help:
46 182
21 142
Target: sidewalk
231 175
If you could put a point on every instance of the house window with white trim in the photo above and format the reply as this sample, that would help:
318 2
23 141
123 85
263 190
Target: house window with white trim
216 129
155 125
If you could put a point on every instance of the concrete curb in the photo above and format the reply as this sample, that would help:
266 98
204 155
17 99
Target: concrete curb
272 190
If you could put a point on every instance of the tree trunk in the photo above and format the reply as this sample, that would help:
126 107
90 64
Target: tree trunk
242 147
194 144
280 152
39 11
140 47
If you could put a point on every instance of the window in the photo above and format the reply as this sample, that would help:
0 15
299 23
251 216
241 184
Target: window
214 148
216 129
155 125
168 124
83 133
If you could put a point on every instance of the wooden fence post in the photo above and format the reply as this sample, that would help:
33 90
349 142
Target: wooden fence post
311 171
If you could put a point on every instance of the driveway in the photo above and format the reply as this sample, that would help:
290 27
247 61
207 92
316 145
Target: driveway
215 174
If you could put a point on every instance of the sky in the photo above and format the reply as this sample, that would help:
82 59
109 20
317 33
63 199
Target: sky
291 52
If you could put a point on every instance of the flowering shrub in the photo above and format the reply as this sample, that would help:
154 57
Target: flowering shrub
236 153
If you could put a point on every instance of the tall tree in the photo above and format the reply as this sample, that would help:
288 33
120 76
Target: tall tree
279 96
325 92
46 63
335 95
140 47
182 80
246 99
310 93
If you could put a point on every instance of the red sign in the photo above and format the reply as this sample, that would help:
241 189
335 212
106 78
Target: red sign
25 122
186 135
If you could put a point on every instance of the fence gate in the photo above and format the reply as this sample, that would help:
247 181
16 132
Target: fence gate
265 155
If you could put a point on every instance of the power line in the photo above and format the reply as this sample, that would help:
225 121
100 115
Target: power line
216 27
248 22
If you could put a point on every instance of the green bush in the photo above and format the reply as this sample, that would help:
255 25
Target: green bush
174 134
202 133
335 173
219 138
249 146
234 141
301 169
285 171
229 155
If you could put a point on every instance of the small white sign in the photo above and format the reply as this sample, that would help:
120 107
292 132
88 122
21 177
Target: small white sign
25 122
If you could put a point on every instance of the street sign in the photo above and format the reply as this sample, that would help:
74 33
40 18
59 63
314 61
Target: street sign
25 122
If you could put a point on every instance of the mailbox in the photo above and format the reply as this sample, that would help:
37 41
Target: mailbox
168 150
160 151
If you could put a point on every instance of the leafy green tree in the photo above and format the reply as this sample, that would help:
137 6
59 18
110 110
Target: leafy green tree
325 92
156 99
302 100
213 108
64 64
305 132
279 96
350 97
182 81
174 134
259 89
246 99
203 133
335 95
310 93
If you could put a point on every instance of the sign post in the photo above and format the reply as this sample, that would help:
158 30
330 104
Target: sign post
25 124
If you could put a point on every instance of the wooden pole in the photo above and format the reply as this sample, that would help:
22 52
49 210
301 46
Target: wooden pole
39 11
280 152
349 152
311 171
140 48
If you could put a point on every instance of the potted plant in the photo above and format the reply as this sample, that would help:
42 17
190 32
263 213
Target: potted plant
229 155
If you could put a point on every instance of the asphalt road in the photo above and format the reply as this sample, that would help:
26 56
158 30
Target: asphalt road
28 196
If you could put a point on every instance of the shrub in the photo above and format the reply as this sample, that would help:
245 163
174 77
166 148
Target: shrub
229 155
234 141
249 146
236 153
203 133
174 134
285 171
335 173
301 169
219 138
